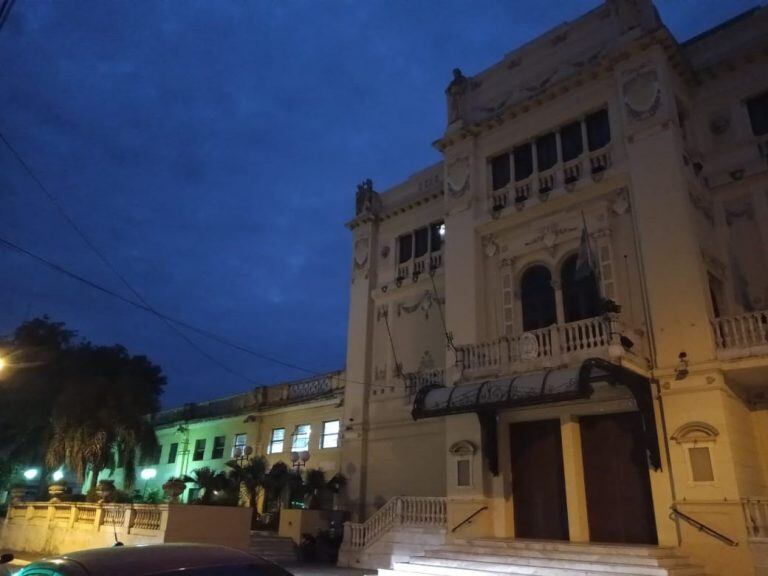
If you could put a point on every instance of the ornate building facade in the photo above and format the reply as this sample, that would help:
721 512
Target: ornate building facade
561 329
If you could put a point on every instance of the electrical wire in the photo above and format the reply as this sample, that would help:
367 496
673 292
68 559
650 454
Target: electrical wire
201 331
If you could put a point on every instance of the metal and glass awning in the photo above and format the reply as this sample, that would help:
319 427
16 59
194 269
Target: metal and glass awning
487 397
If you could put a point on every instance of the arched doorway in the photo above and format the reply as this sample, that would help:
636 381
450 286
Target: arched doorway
581 298
538 298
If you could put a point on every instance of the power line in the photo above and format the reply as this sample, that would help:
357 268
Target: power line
111 266
202 332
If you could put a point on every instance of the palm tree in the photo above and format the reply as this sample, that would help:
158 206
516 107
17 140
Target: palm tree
250 474
209 482
100 417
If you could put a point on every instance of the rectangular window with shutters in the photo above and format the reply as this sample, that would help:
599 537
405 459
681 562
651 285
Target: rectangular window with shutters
546 151
300 440
276 441
598 130
757 108
172 452
500 171
330 437
701 464
463 473
199 452
571 141
218 448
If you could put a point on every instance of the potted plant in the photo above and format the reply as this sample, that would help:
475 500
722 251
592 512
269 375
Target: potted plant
174 488
105 490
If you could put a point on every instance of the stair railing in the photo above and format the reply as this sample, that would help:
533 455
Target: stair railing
675 514
400 511
469 518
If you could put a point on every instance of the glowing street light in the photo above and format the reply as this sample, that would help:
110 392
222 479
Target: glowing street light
30 473
2 363
148 473
58 475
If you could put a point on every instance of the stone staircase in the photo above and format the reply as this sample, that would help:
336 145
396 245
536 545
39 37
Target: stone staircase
278 549
488 557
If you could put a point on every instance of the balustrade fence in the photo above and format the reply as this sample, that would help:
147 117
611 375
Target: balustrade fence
399 511
742 331
556 341
145 519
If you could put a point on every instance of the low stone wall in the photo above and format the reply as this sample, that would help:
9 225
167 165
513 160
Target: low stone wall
49 528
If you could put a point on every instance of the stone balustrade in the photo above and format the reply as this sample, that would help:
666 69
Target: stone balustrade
58 527
551 346
398 511
742 334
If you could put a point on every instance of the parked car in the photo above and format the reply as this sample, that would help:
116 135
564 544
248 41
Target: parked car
156 560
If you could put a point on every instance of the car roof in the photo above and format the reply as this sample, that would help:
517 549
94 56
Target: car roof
153 559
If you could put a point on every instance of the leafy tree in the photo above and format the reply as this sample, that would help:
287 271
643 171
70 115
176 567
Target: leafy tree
209 482
73 403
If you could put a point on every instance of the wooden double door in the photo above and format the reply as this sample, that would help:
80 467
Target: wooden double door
619 502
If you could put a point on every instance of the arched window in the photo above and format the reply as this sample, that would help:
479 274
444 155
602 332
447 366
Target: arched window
538 299
581 298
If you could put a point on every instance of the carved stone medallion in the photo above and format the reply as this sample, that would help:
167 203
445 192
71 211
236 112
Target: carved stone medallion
642 95
457 177
529 346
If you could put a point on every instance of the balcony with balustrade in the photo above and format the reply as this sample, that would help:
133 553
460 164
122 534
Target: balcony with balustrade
741 335
556 345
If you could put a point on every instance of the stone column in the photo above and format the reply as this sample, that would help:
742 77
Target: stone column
573 470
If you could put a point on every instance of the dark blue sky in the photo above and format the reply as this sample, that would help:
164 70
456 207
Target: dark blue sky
211 149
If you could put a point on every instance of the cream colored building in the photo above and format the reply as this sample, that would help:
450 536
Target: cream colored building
561 328
302 417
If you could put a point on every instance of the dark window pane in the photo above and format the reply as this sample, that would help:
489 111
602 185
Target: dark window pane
523 162
218 448
546 151
172 453
598 130
199 449
500 172
538 298
436 237
422 242
758 114
581 296
570 141
405 245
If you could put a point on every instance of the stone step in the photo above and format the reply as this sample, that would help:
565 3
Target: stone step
411 568
569 554
492 544
536 557
546 566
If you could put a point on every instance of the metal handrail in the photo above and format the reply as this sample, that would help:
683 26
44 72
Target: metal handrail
701 527
468 519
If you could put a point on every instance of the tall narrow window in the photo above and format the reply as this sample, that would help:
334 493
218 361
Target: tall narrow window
701 464
330 437
757 108
421 242
538 298
581 297
276 441
218 448
436 232
172 452
500 171
598 130
405 248
571 141
301 438
199 452
546 151
523 162
238 445
154 458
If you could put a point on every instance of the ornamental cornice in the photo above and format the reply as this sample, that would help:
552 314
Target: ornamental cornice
602 66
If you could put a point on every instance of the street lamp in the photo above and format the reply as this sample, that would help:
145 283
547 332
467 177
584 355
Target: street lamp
299 459
58 475
30 473
147 474
2 363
